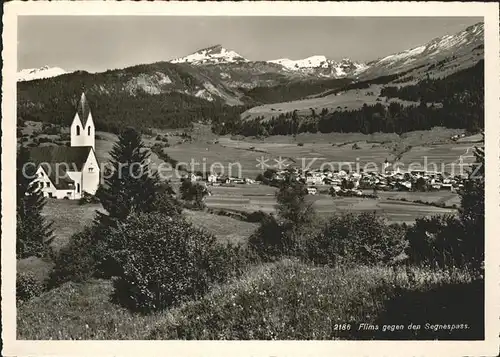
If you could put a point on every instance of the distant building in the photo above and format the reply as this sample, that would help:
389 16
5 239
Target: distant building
312 190
67 172
212 178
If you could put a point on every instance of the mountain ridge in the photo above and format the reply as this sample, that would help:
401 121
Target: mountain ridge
203 84
29 74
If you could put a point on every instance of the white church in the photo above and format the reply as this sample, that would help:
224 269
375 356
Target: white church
67 172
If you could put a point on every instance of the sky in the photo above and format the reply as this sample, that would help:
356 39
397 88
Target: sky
98 43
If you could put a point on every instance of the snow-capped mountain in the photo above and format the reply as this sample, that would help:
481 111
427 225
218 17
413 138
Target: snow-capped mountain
316 66
30 74
211 55
326 67
461 47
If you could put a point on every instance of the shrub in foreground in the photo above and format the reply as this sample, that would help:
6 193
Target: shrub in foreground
163 261
194 193
86 255
268 241
438 241
27 286
357 238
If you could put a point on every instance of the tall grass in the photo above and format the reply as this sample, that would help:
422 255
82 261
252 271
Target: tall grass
282 300
291 300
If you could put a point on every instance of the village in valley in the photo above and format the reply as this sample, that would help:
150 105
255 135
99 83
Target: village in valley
343 182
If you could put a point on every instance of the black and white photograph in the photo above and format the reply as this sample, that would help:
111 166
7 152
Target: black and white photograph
226 176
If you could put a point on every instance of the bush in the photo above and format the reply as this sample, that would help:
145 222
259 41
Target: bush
300 144
226 261
84 257
165 203
27 286
357 238
285 236
194 193
163 260
255 217
267 241
437 241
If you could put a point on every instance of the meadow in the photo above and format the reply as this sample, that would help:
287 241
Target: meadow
244 198
247 157
347 100
282 300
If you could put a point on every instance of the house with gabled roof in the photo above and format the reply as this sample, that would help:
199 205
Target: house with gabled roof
67 172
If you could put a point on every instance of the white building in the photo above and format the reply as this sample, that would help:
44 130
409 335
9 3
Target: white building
68 172
312 190
212 178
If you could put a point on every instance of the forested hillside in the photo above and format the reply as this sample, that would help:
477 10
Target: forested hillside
456 101
161 95
158 95
293 90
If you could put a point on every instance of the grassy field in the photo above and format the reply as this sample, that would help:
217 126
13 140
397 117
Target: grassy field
348 100
251 198
69 217
224 228
283 300
241 156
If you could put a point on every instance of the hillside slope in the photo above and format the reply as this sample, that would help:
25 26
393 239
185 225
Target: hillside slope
443 57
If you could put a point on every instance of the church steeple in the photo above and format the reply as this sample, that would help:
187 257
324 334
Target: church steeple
83 109
82 128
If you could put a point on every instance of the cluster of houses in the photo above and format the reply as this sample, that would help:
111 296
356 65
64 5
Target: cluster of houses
353 182
457 136
215 179
389 180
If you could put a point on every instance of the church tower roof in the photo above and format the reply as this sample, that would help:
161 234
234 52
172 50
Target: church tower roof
83 109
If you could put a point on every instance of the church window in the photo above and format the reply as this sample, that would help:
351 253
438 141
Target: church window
89 130
91 169
78 130
78 187
48 184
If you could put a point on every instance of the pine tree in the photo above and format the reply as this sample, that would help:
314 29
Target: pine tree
132 186
292 205
34 232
